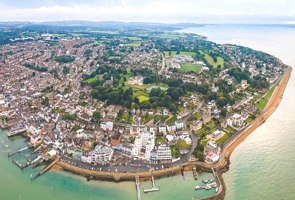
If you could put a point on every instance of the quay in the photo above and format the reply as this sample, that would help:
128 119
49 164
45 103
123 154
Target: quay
137 187
153 189
46 168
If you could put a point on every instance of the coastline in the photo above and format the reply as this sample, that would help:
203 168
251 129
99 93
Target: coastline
221 166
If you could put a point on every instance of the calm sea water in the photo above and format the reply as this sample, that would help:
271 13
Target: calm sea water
262 166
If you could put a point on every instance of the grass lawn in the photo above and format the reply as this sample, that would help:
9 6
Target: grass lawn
262 102
138 87
210 60
223 139
143 98
159 140
157 118
134 38
134 44
182 144
156 86
171 119
250 119
188 67
195 116
173 53
148 118
90 80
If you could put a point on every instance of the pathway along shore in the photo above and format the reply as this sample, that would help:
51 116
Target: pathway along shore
221 166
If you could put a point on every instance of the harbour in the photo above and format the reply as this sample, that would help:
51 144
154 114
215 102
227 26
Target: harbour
239 168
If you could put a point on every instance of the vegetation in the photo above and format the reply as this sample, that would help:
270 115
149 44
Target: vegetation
262 102
191 67
36 68
64 59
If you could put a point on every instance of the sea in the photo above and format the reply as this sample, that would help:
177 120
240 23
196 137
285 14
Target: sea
261 166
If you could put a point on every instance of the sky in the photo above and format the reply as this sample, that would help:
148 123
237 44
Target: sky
162 11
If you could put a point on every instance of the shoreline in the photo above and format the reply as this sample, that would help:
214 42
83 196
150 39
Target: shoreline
221 166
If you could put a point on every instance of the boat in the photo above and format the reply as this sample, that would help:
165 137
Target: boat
198 187
216 189
205 181
214 184
211 180
208 187
17 129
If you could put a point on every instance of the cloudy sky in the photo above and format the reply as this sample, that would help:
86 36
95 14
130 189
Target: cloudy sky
168 11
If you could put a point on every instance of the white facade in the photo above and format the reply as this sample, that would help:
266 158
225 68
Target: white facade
101 154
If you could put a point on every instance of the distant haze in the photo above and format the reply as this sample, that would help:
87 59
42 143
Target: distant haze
167 11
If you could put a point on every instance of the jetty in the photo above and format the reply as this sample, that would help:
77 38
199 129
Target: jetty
137 184
46 168
21 166
153 189
18 151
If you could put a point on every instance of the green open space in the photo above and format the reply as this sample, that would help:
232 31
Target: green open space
184 53
90 80
223 139
262 102
188 67
133 44
210 60
171 119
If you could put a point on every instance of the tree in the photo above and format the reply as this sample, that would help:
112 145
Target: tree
96 116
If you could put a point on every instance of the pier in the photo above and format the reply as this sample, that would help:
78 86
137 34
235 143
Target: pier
46 168
137 187
153 189
18 151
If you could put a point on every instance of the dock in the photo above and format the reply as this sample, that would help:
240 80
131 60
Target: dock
153 189
137 183
21 166
195 173
46 168
18 151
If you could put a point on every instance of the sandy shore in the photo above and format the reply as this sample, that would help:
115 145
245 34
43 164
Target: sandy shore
271 106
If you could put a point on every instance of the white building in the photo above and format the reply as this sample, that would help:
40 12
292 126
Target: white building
101 154
137 146
163 154
179 125
107 126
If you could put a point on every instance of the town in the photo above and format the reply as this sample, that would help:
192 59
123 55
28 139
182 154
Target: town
130 101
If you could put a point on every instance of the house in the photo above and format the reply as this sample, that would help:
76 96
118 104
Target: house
166 112
107 126
112 115
179 124
237 120
206 116
216 133
196 125
162 129
171 128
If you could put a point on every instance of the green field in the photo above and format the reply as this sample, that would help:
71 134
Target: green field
143 98
134 44
171 119
173 53
210 60
188 67
223 139
262 102
134 38
90 80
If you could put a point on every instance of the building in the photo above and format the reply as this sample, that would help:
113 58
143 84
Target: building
137 145
179 124
161 154
162 129
196 125
171 128
107 126
101 154
236 120
207 116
